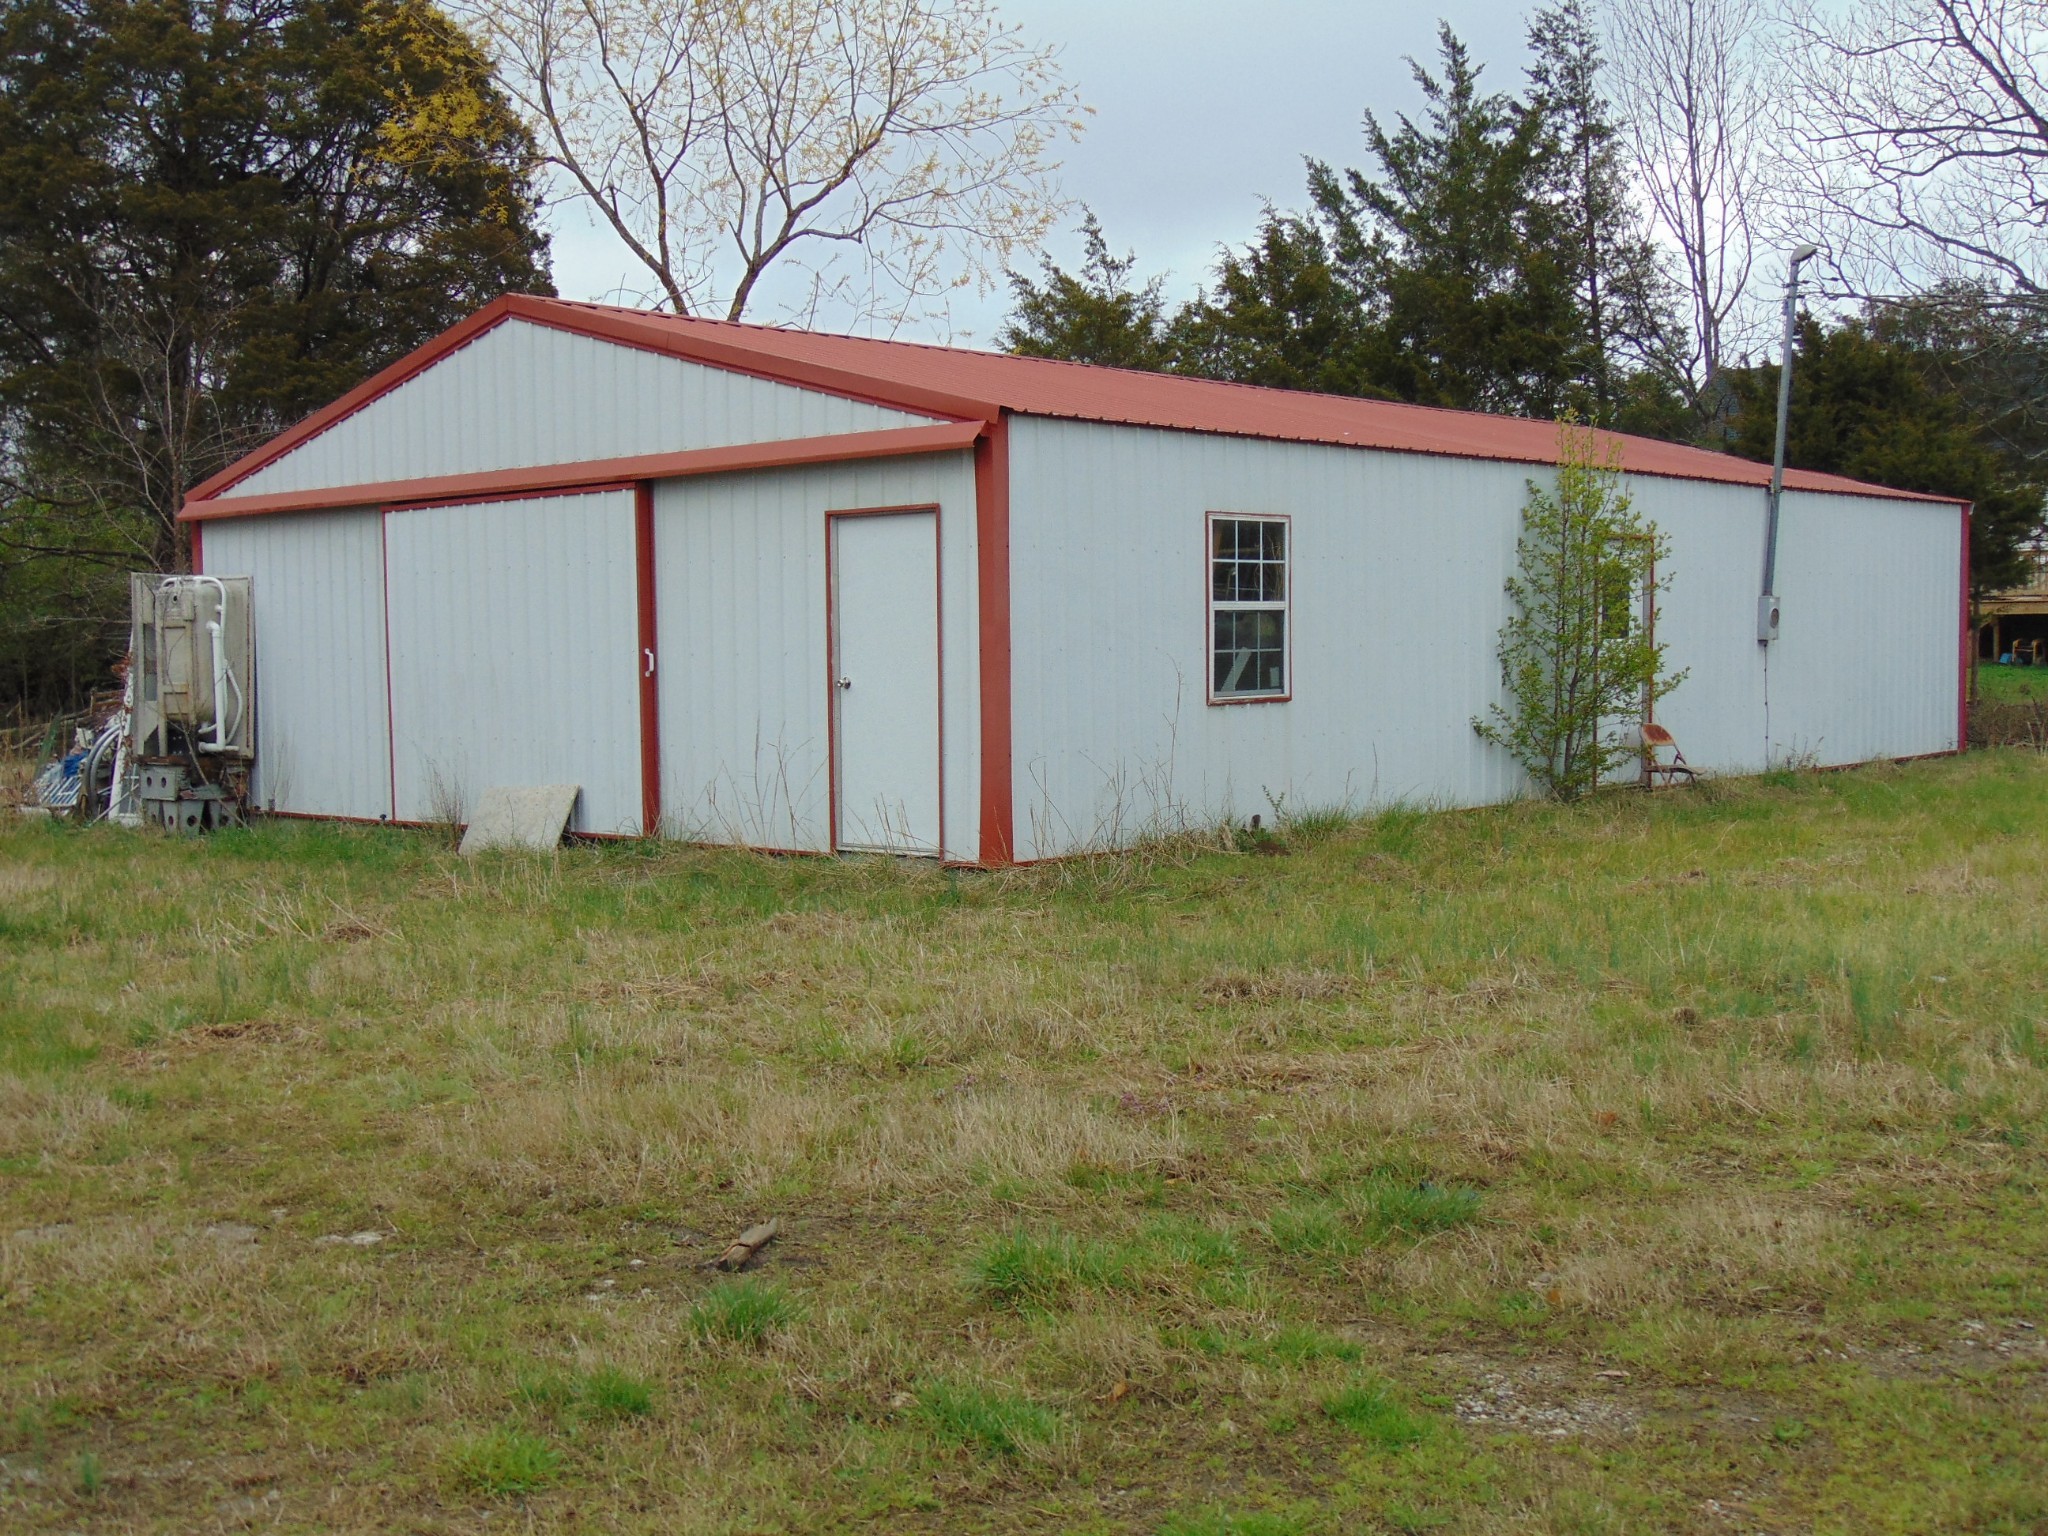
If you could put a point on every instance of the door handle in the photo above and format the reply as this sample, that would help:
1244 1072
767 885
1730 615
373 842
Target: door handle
845 683
648 658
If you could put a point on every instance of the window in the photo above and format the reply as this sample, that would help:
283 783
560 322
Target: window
1247 608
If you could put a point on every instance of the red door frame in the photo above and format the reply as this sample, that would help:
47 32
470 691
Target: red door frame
832 519
647 663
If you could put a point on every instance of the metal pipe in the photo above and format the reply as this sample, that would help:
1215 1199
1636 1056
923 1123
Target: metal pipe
1767 602
214 627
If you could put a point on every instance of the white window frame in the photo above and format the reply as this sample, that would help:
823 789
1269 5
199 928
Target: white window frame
1284 607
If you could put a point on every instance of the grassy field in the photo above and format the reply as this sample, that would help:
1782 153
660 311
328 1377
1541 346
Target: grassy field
2009 685
1662 1164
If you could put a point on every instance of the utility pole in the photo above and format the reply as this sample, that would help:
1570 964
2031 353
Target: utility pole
1767 603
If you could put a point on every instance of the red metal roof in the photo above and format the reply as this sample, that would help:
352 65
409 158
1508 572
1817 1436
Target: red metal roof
1029 386
961 384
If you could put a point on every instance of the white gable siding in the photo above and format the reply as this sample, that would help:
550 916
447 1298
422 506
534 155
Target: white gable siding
1398 566
522 395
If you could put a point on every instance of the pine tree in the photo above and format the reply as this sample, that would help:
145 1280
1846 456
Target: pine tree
1281 314
1460 249
1622 322
1870 409
1099 316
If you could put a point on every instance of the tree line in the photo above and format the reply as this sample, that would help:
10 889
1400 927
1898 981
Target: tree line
1597 244
215 218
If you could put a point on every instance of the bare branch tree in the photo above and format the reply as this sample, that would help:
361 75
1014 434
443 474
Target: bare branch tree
1917 139
1692 80
149 406
883 152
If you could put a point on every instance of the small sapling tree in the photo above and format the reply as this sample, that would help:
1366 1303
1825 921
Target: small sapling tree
1578 655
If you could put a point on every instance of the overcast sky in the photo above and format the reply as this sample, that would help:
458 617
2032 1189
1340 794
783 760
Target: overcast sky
1203 110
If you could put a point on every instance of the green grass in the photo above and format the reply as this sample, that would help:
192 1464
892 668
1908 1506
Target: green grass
506 1461
1368 1409
605 1393
1530 1170
996 1423
2008 685
743 1311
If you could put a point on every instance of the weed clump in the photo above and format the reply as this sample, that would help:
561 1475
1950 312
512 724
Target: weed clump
1377 1211
605 1393
742 1312
997 1423
506 1461
1042 1273
1369 1410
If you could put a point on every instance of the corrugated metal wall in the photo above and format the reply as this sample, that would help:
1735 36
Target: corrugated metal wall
524 394
515 655
1866 662
1398 567
740 595
321 720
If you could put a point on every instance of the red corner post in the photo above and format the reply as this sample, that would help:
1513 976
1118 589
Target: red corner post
992 572
644 663
1968 646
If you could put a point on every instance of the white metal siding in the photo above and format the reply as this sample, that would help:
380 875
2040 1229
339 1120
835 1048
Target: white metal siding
522 395
515 655
1866 662
317 588
740 564
1399 562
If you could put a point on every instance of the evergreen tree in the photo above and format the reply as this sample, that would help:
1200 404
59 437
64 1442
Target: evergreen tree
1461 250
1866 408
1100 316
214 218
1281 314
1623 325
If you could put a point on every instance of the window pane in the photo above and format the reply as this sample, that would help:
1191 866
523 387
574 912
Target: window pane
1248 564
1251 653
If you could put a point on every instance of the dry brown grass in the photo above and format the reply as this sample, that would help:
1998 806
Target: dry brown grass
322 1149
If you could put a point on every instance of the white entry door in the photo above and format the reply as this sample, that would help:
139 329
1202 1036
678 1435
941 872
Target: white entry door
885 681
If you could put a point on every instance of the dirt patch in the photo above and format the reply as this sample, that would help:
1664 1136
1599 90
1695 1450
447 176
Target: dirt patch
1981 1349
1550 1399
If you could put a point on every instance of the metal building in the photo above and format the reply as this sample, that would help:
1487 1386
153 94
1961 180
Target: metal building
814 592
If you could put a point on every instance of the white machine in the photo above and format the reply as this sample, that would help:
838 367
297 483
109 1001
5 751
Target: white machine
184 760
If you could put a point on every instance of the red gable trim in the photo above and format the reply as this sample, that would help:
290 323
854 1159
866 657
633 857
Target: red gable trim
644 335
894 443
650 334
414 362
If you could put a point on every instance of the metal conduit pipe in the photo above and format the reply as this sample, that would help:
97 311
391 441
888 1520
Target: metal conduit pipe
1767 601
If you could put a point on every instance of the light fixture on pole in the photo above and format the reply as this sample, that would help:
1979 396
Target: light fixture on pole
1767 603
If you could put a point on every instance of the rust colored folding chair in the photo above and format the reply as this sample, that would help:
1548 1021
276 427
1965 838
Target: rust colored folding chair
1655 737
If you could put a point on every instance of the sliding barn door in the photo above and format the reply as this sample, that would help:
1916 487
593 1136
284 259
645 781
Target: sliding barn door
515 655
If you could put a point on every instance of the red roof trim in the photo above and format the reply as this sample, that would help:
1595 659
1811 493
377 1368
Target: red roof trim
893 443
647 331
382 383
966 385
